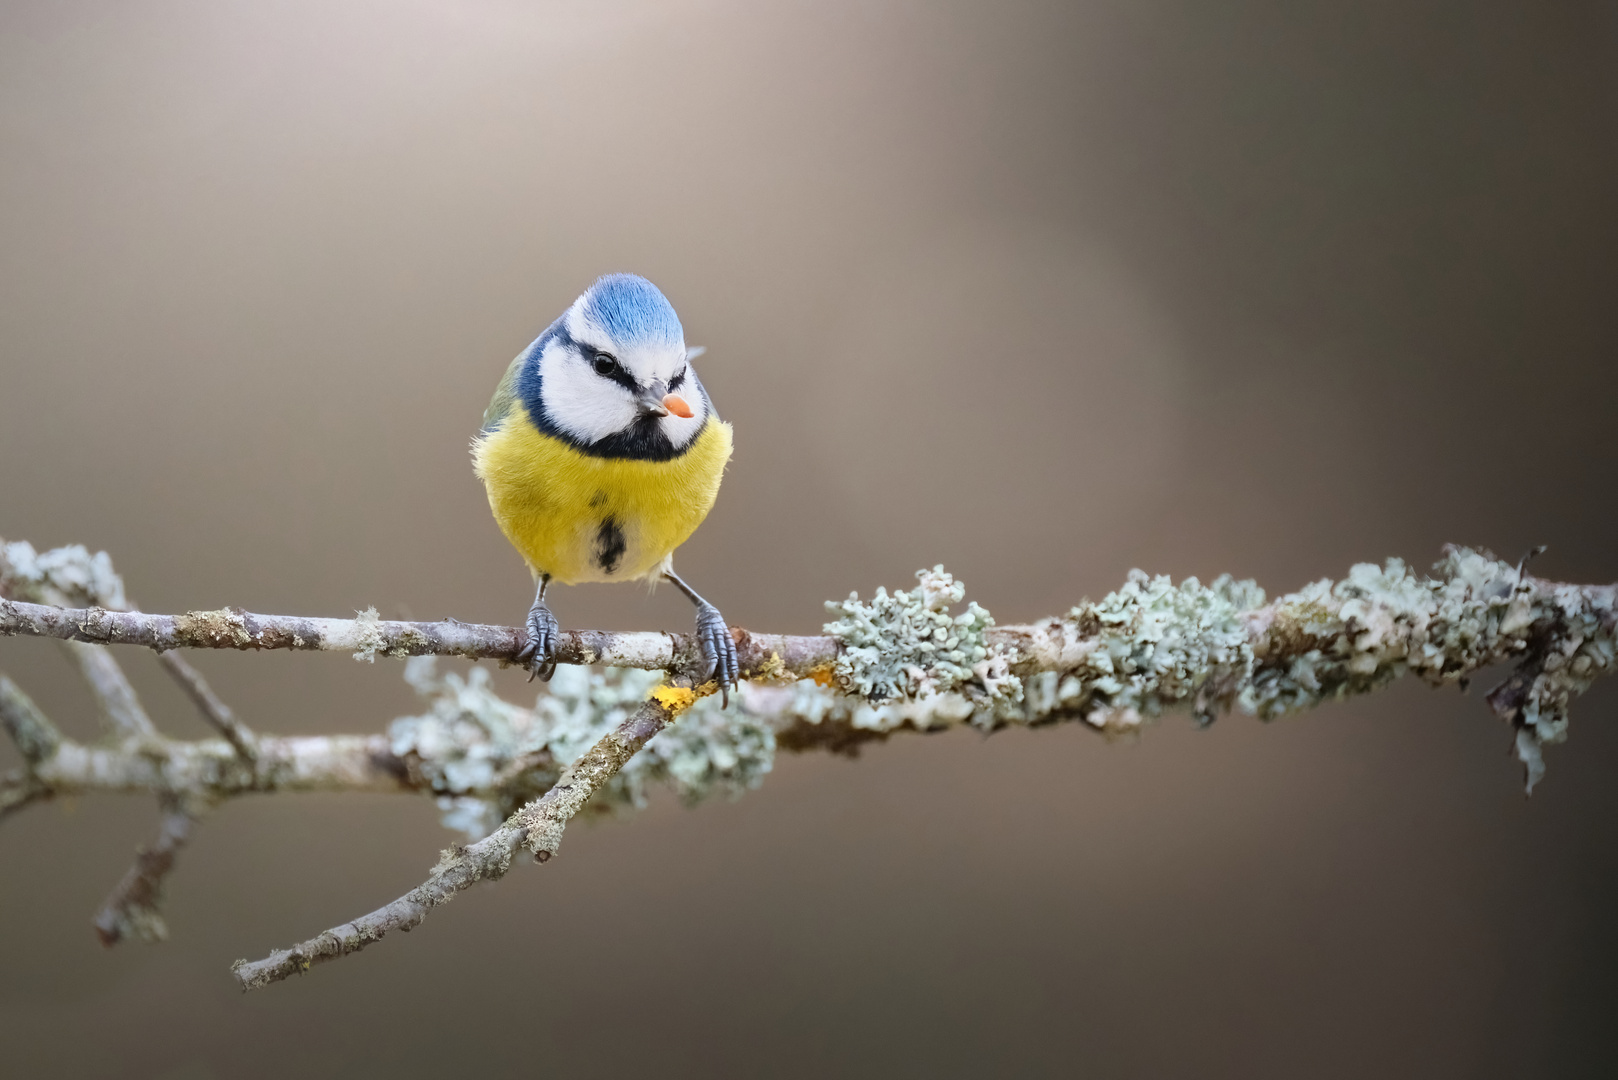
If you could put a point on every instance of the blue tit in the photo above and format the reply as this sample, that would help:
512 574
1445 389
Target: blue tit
602 453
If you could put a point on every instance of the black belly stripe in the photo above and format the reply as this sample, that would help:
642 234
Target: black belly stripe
610 545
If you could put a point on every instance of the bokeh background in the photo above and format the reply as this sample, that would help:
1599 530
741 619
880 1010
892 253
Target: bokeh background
1039 291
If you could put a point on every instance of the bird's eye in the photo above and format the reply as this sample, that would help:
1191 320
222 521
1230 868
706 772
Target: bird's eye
605 365
678 379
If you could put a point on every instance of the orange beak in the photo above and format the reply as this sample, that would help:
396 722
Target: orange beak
675 404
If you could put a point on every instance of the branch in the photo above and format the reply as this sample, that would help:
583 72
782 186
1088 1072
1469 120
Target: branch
131 910
207 769
62 577
211 769
65 577
17 789
1151 646
36 737
761 655
120 708
213 710
900 662
537 826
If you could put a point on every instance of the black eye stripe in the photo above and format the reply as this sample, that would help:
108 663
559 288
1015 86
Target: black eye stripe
678 379
607 366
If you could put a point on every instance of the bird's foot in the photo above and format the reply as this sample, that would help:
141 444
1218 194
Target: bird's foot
718 649
539 655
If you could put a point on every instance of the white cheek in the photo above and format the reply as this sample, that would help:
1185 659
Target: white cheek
579 401
681 430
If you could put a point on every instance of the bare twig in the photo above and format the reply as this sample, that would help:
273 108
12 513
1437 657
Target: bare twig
208 769
36 737
537 826
120 708
18 788
198 770
131 910
213 710
761 655
71 575
211 768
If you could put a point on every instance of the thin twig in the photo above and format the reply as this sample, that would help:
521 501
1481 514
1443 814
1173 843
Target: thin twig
36 737
18 788
120 709
761 655
132 908
537 826
208 703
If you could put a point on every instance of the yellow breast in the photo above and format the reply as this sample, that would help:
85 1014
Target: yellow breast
583 518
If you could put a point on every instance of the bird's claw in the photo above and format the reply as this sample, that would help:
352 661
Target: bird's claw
718 650
539 655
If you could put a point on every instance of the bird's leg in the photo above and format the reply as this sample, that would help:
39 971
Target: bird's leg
539 655
718 647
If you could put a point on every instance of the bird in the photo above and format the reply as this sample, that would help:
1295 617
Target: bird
601 453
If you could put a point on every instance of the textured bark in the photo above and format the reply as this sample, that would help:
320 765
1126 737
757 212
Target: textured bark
36 737
131 911
120 708
761 655
211 769
1151 646
538 827
213 710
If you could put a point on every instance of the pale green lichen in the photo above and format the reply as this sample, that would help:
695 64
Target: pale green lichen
908 649
1381 622
807 702
65 576
1145 648
372 643
485 757
1584 649
1155 645
909 662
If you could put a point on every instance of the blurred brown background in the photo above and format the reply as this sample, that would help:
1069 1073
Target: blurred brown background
1039 291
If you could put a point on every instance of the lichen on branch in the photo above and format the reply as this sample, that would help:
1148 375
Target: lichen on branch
1155 645
66 576
512 776
483 757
